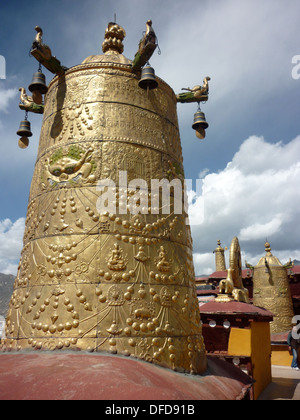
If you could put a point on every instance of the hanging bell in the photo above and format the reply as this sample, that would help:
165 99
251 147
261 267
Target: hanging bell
24 132
199 121
24 129
38 87
148 79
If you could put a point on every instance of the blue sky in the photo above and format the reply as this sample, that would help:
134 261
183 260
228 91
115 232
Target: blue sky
250 160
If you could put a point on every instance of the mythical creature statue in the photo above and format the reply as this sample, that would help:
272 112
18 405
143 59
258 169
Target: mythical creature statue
67 168
28 104
147 47
43 54
196 94
226 286
232 287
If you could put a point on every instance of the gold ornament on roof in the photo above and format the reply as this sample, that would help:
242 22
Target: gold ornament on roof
220 257
232 287
271 290
114 35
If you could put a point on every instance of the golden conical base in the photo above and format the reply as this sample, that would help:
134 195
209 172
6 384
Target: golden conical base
105 281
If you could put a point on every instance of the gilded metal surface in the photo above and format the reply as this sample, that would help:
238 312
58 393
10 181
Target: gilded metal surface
220 257
232 287
122 283
271 291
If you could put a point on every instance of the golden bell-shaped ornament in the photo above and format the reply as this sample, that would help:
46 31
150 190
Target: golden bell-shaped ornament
38 87
24 129
199 121
148 78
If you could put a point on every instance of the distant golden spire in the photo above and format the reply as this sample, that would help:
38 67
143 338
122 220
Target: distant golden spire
232 287
220 257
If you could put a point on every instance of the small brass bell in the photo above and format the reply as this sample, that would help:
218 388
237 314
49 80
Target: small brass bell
199 121
38 87
24 129
148 80
24 132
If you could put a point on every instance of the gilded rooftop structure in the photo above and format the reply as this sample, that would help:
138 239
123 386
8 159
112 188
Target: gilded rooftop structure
271 290
106 281
220 257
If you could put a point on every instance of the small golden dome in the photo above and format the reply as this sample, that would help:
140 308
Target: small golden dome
269 258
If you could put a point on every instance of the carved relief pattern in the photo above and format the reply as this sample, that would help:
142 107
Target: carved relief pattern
99 105
122 283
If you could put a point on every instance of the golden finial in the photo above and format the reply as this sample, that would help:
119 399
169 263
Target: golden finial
114 35
267 246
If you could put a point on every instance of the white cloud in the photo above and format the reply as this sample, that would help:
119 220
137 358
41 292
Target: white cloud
5 96
204 263
244 53
261 230
11 240
255 197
